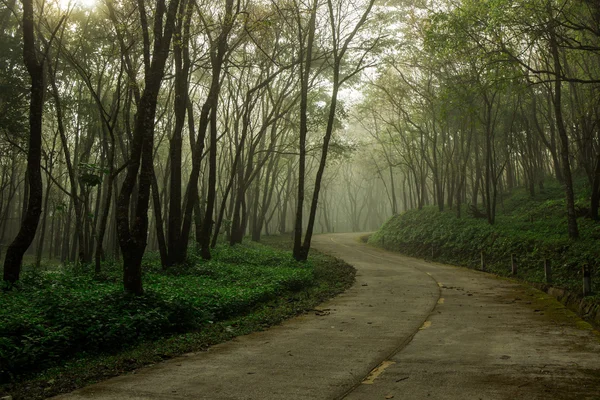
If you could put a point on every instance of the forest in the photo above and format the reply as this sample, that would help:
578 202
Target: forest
142 137
206 118
131 126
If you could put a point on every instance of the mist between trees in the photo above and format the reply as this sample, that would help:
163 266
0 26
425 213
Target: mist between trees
134 126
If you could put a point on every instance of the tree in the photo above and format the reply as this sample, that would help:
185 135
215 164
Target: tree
343 30
34 62
133 237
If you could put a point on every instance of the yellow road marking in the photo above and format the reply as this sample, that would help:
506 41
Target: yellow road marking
426 325
370 379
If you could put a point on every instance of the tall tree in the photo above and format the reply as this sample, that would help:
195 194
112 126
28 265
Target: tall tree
306 38
34 63
340 19
133 232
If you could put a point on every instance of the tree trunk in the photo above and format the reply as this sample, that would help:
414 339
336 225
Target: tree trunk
209 112
299 251
285 200
133 239
564 139
42 234
35 68
160 233
176 250
393 190
595 200
212 187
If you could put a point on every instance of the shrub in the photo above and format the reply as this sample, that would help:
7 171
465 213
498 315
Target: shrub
533 233
50 317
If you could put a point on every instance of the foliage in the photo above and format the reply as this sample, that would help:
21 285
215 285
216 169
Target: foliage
91 174
331 277
52 316
531 229
13 96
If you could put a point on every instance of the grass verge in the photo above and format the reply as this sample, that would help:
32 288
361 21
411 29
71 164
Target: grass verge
244 289
533 230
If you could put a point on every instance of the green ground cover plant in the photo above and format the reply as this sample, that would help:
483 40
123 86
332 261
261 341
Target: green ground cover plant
533 229
66 328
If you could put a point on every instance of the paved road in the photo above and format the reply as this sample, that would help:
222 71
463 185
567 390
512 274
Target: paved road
407 329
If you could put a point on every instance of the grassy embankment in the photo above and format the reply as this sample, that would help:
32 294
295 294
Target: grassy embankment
64 329
533 229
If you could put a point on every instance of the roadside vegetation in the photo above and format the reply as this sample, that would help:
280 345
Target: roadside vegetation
67 327
531 228
214 121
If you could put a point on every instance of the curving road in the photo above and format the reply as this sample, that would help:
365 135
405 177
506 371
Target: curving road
408 329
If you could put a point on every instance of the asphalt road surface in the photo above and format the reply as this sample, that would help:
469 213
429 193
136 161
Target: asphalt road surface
407 329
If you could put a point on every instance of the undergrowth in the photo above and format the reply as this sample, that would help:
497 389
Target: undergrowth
531 229
53 321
